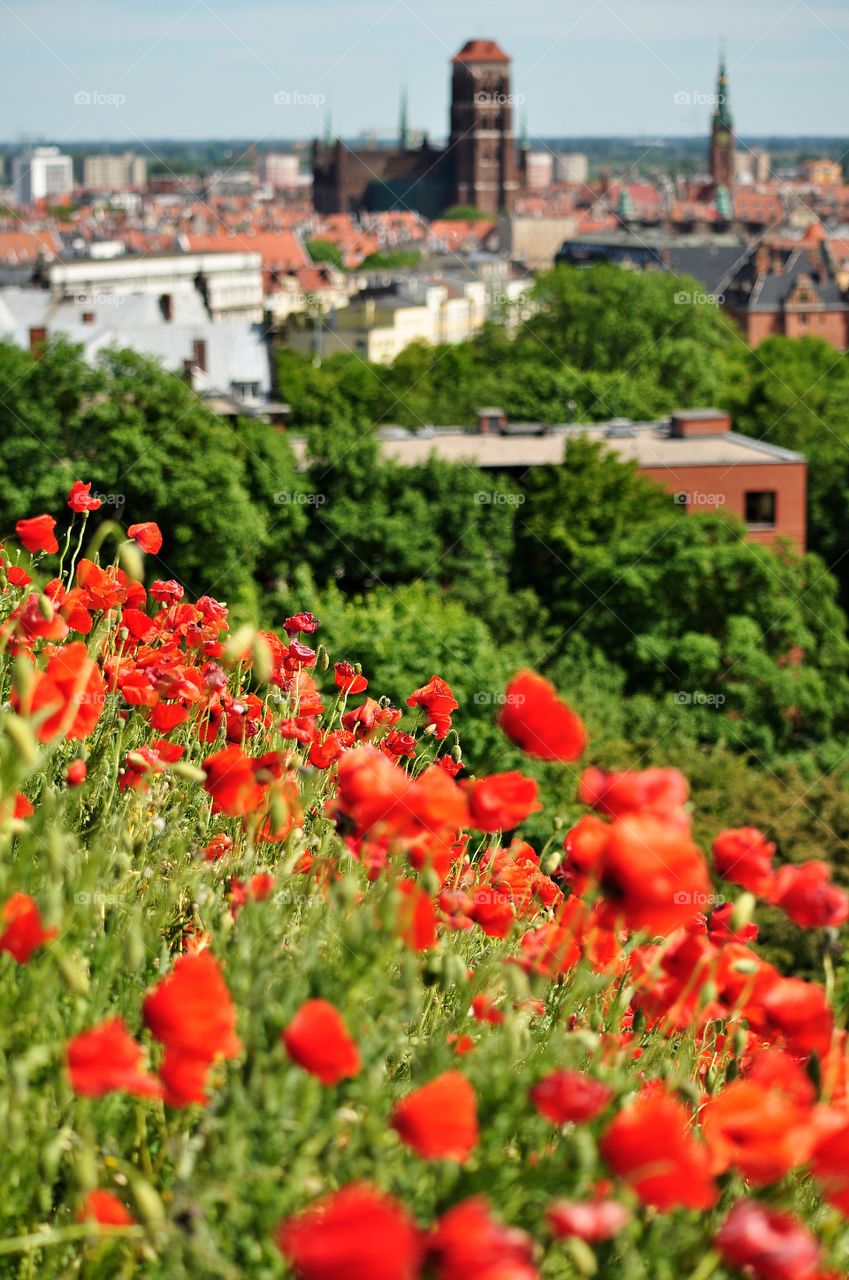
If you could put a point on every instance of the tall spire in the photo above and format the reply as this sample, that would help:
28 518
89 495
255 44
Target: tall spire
722 109
328 128
403 126
525 141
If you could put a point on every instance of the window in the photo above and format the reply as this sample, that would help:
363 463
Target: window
760 509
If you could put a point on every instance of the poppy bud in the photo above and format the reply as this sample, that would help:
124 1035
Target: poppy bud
74 977
322 658
190 772
131 560
239 643
85 1168
263 664
21 736
150 1208
456 754
551 862
45 608
22 678
582 1256
742 911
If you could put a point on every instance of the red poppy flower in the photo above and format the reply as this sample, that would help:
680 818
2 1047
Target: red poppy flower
564 1096
108 1060
147 535
659 791
535 718
493 911
438 702
767 1244
185 1078
356 1233
653 874
318 1040
831 1164
484 1009
743 856
23 932
416 916
191 1011
758 1129
469 1244
590 1220
36 534
300 622
439 1120
70 691
650 1144
76 773
808 897
101 1206
501 801
799 1013
231 781
347 679
80 499
166 590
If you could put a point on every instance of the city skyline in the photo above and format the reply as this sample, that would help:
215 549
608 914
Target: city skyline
595 69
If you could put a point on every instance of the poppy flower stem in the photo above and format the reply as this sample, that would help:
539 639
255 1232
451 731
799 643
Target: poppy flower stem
706 1267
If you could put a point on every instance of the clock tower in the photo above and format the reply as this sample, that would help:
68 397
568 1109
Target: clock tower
722 135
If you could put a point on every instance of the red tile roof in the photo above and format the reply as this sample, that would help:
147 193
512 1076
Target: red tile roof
481 51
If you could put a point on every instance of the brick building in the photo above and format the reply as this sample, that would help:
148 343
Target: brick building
478 167
693 454
789 291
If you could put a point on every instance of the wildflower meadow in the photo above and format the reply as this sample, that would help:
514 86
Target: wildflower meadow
285 992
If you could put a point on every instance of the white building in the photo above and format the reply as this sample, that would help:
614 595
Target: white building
571 166
114 172
230 284
41 173
279 169
219 360
539 170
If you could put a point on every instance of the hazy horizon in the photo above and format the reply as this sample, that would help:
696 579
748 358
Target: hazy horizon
108 71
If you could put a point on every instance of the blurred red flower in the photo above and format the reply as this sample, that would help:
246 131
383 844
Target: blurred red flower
439 1120
107 1060
536 719
590 1220
650 1144
808 897
24 932
101 1206
357 1233
318 1040
569 1095
469 1244
501 801
743 856
768 1244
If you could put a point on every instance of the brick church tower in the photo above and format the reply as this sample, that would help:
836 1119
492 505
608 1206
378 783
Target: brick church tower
722 136
482 145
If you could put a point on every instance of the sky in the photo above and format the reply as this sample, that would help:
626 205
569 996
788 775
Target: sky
130 70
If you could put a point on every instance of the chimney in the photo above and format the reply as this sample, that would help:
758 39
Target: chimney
491 421
690 423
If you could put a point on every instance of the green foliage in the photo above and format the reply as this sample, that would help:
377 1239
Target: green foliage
465 213
324 251
391 259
